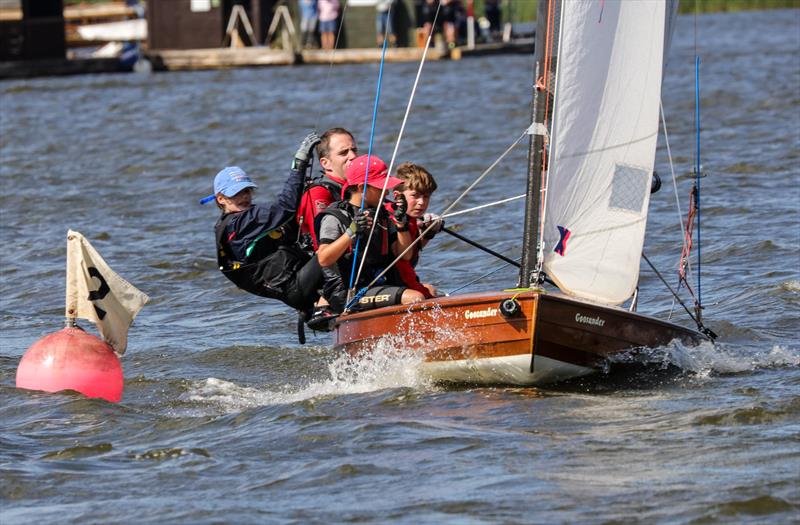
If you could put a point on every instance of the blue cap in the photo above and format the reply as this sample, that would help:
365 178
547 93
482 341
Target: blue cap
231 181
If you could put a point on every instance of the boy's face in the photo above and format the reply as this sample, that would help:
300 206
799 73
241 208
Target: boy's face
239 202
372 197
417 202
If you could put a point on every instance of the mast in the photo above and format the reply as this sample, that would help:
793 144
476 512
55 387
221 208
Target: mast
530 265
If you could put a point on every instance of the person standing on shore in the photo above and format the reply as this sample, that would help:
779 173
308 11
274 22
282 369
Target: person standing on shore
308 22
383 22
328 16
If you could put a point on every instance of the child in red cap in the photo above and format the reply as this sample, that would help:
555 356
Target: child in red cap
342 223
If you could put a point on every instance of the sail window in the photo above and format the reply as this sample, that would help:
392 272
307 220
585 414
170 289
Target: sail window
629 188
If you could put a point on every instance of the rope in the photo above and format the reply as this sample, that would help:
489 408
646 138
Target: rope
672 170
506 265
402 129
485 173
697 175
700 327
430 226
369 150
544 86
495 203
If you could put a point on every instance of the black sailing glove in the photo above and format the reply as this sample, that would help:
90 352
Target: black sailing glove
360 226
399 215
303 154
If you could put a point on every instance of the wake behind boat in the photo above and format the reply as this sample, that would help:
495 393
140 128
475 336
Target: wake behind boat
592 152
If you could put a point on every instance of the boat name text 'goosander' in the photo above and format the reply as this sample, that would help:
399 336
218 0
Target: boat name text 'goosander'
480 314
589 320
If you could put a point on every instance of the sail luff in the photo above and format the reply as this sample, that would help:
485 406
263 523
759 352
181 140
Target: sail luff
603 137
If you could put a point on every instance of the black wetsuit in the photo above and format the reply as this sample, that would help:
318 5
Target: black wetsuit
257 249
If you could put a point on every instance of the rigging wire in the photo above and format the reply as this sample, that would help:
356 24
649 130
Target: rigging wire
369 151
330 64
506 265
697 169
697 166
402 129
482 206
430 227
684 264
706 331
672 170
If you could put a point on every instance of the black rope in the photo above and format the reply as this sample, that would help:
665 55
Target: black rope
703 330
480 247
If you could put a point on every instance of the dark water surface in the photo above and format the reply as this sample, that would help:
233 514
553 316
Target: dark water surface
226 419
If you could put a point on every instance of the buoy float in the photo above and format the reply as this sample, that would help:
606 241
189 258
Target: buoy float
72 359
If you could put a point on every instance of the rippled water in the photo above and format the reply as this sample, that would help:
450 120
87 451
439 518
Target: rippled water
225 418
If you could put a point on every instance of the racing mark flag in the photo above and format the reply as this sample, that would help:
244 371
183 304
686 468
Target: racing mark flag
96 293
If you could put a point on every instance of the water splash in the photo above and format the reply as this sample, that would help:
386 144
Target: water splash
791 285
387 366
706 358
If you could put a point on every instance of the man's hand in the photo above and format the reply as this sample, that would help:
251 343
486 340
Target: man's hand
360 226
399 216
303 153
431 219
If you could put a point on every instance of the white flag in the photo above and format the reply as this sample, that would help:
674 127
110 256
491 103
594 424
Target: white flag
97 294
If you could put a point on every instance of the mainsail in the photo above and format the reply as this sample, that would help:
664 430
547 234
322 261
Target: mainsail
602 147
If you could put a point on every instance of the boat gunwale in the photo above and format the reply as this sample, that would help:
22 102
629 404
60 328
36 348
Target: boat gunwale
463 300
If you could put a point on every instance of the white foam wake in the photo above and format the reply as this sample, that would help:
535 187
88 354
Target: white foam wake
708 358
385 367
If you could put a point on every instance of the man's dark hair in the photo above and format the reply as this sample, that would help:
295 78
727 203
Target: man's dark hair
324 146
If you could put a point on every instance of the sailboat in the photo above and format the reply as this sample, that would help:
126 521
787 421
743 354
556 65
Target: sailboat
593 137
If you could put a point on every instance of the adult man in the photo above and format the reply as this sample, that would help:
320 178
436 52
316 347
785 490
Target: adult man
342 224
336 150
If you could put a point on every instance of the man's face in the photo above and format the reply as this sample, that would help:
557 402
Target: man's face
342 151
417 202
239 202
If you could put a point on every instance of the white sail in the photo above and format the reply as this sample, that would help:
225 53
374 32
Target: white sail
603 141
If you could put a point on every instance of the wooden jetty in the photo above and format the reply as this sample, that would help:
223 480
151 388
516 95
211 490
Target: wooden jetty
218 58
225 58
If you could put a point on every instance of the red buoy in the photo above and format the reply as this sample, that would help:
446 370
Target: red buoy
72 359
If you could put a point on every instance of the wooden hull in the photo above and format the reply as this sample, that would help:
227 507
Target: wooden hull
466 339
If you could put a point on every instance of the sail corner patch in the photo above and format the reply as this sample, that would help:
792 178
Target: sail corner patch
629 187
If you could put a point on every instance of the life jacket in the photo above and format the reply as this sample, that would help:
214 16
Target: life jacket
378 256
405 269
308 239
273 259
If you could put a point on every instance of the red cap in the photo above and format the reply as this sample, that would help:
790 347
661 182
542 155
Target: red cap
378 173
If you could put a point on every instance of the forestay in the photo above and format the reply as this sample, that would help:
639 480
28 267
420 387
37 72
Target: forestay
602 149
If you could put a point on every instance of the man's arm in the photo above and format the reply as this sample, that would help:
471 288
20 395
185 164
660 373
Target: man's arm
288 200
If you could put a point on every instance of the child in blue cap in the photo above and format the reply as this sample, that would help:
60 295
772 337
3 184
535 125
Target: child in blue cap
257 245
